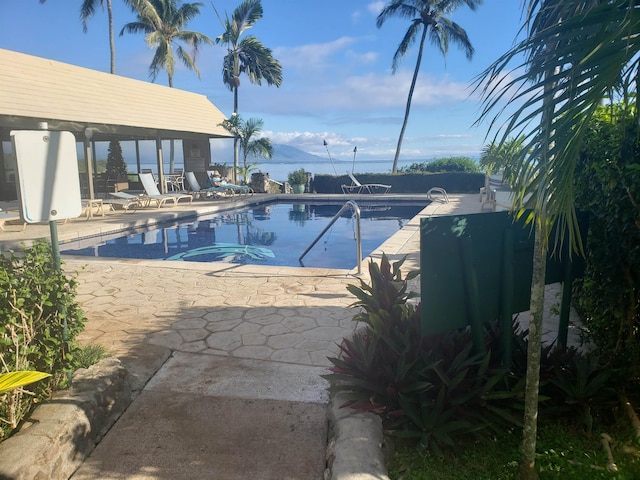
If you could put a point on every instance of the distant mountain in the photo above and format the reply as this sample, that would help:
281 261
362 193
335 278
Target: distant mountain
289 154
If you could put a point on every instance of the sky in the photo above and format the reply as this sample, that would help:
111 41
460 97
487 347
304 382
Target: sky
337 86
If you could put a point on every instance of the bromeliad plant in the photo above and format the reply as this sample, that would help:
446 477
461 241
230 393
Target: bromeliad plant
375 365
431 388
435 389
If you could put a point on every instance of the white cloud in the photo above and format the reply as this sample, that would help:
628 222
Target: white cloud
311 56
375 7
369 93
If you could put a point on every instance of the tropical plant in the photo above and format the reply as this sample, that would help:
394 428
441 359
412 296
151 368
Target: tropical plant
86 11
428 19
374 366
12 380
297 177
431 388
163 22
460 399
245 172
247 55
499 157
246 132
575 54
578 384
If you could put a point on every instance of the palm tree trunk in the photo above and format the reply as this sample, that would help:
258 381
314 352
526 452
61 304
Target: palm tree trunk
236 143
408 108
171 144
530 425
530 421
112 44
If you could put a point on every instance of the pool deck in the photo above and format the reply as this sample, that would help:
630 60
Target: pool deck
226 359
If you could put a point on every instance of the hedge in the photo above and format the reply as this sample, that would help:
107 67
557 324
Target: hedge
452 182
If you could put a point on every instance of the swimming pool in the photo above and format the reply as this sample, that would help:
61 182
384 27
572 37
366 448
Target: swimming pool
266 234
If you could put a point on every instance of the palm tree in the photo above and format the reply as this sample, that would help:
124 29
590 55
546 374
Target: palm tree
87 9
246 133
496 157
247 55
576 53
163 23
428 17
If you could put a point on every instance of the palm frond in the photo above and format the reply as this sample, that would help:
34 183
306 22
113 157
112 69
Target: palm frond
594 44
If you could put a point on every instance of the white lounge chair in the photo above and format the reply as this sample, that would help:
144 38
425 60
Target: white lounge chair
151 189
217 181
199 192
4 216
357 187
126 201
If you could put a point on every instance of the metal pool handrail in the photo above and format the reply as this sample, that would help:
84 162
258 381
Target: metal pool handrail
356 209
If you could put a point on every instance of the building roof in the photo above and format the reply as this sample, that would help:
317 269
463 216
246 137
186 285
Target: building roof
72 98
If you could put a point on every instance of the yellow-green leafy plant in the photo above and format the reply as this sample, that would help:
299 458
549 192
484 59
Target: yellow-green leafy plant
12 380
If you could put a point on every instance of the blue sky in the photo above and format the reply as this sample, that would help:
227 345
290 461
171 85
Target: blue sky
337 80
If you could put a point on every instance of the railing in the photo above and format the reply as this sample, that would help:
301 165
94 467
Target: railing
356 209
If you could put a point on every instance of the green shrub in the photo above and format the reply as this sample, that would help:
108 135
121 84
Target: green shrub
416 182
37 298
298 177
449 164
608 186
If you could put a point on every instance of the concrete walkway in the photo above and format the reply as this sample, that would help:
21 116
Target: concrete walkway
227 360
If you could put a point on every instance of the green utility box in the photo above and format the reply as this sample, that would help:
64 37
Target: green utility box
477 268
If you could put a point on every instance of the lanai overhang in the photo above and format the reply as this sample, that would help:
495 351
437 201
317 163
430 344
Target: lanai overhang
35 90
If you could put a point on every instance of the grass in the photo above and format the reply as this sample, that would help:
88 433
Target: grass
90 355
564 452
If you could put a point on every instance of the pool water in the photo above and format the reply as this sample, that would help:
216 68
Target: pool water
267 234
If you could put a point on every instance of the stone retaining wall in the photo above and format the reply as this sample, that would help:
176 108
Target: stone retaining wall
61 433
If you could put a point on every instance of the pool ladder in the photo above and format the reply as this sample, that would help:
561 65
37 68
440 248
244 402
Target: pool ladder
356 209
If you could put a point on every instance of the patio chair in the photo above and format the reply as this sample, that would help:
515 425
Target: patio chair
123 198
175 181
153 193
4 216
488 194
357 187
148 170
199 192
218 181
126 201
